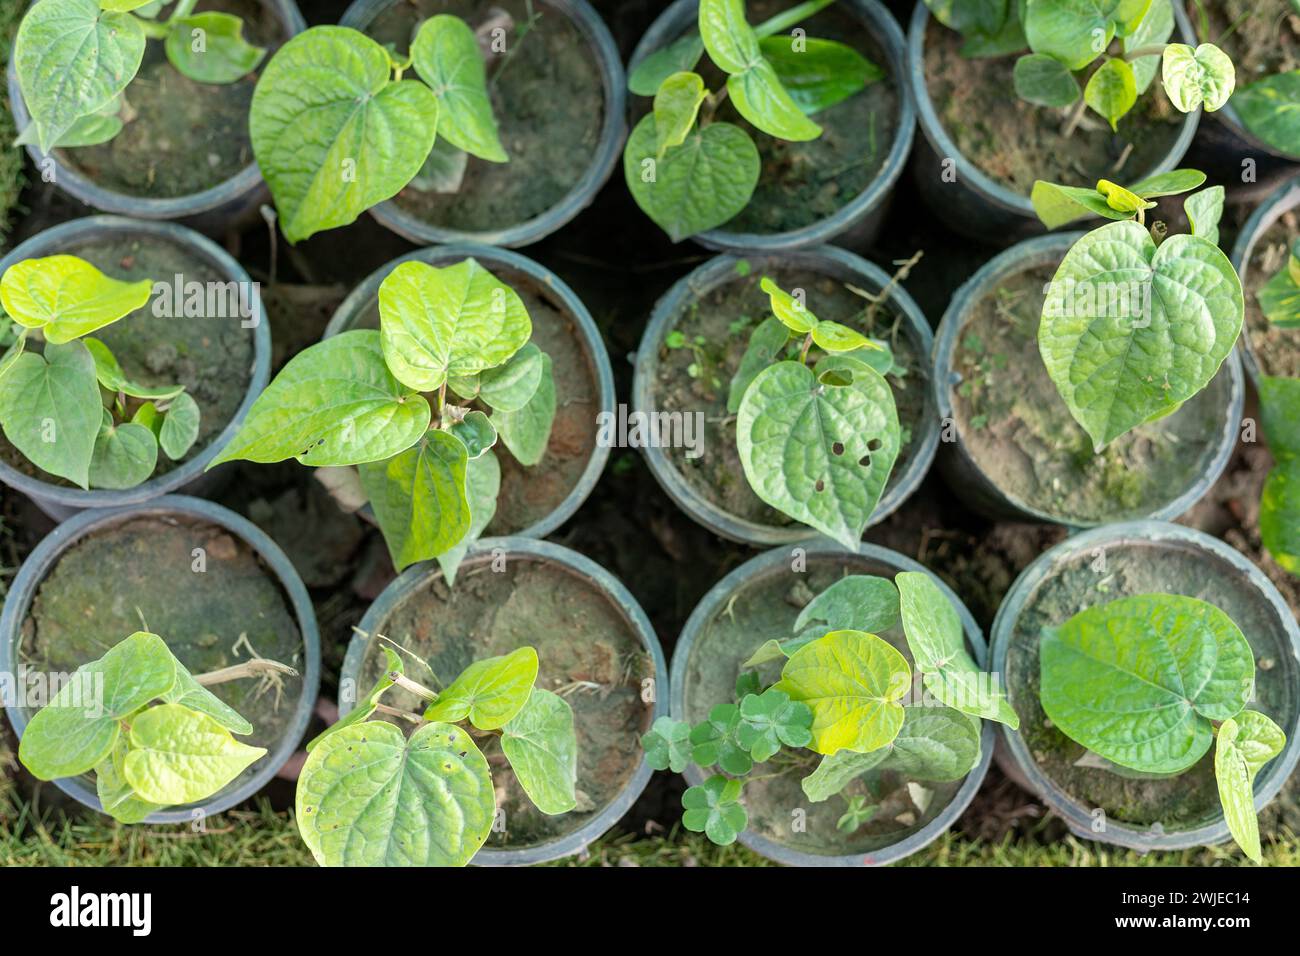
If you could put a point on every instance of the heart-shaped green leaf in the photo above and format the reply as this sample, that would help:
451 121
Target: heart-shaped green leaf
179 755
72 59
1201 77
713 808
758 96
482 485
527 432
667 744
792 310
765 345
509 387
333 134
125 454
1075 32
771 719
938 645
180 427
447 57
51 409
696 186
419 497
89 130
540 744
935 744
476 433
1245 743
819 446
1045 81
369 797
677 103
1138 680
457 320
1270 109
115 794
1111 90
1204 210
818 73
680 56
853 682
79 726
1279 300
66 297
859 602
335 403
1129 329
489 692
210 48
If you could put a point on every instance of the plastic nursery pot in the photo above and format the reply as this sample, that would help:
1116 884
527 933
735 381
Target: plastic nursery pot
120 176
1018 453
966 196
867 25
753 603
533 501
1101 565
561 117
594 642
1223 140
711 488
207 581
223 364
1261 250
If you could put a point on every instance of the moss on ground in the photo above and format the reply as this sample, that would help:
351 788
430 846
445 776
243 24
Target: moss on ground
11 157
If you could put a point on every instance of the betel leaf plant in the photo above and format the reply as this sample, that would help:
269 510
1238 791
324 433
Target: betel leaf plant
372 795
1149 683
336 128
845 705
1279 297
1136 321
150 731
75 59
385 400
1077 55
816 424
69 408
691 171
1279 506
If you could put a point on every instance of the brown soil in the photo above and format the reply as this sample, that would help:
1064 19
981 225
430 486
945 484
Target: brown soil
1015 142
211 357
549 103
1264 41
724 319
140 575
1015 425
589 653
529 494
766 608
186 136
1189 799
1277 351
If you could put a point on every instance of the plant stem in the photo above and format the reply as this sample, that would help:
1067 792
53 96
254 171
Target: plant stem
419 690
254 668
1154 49
183 9
803 352
783 21
1076 115
397 712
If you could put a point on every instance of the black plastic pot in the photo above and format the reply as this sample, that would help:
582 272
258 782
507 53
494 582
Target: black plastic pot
1285 199
60 501
586 574
213 211
965 475
857 223
58 542
363 300
829 260
973 203
604 157
727 598
1120 560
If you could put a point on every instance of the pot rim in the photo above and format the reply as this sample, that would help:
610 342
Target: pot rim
1074 813
714 601
943 378
715 272
35 569
882 26
82 187
583 193
55 239
417 576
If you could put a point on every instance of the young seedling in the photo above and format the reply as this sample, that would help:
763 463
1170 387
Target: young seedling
369 795
691 172
1149 682
816 443
1098 55
845 696
382 400
1279 505
1279 297
1136 322
364 133
152 732
75 59
69 408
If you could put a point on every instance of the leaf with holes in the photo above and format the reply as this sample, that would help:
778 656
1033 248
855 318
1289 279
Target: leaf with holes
489 692
818 445
1140 679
